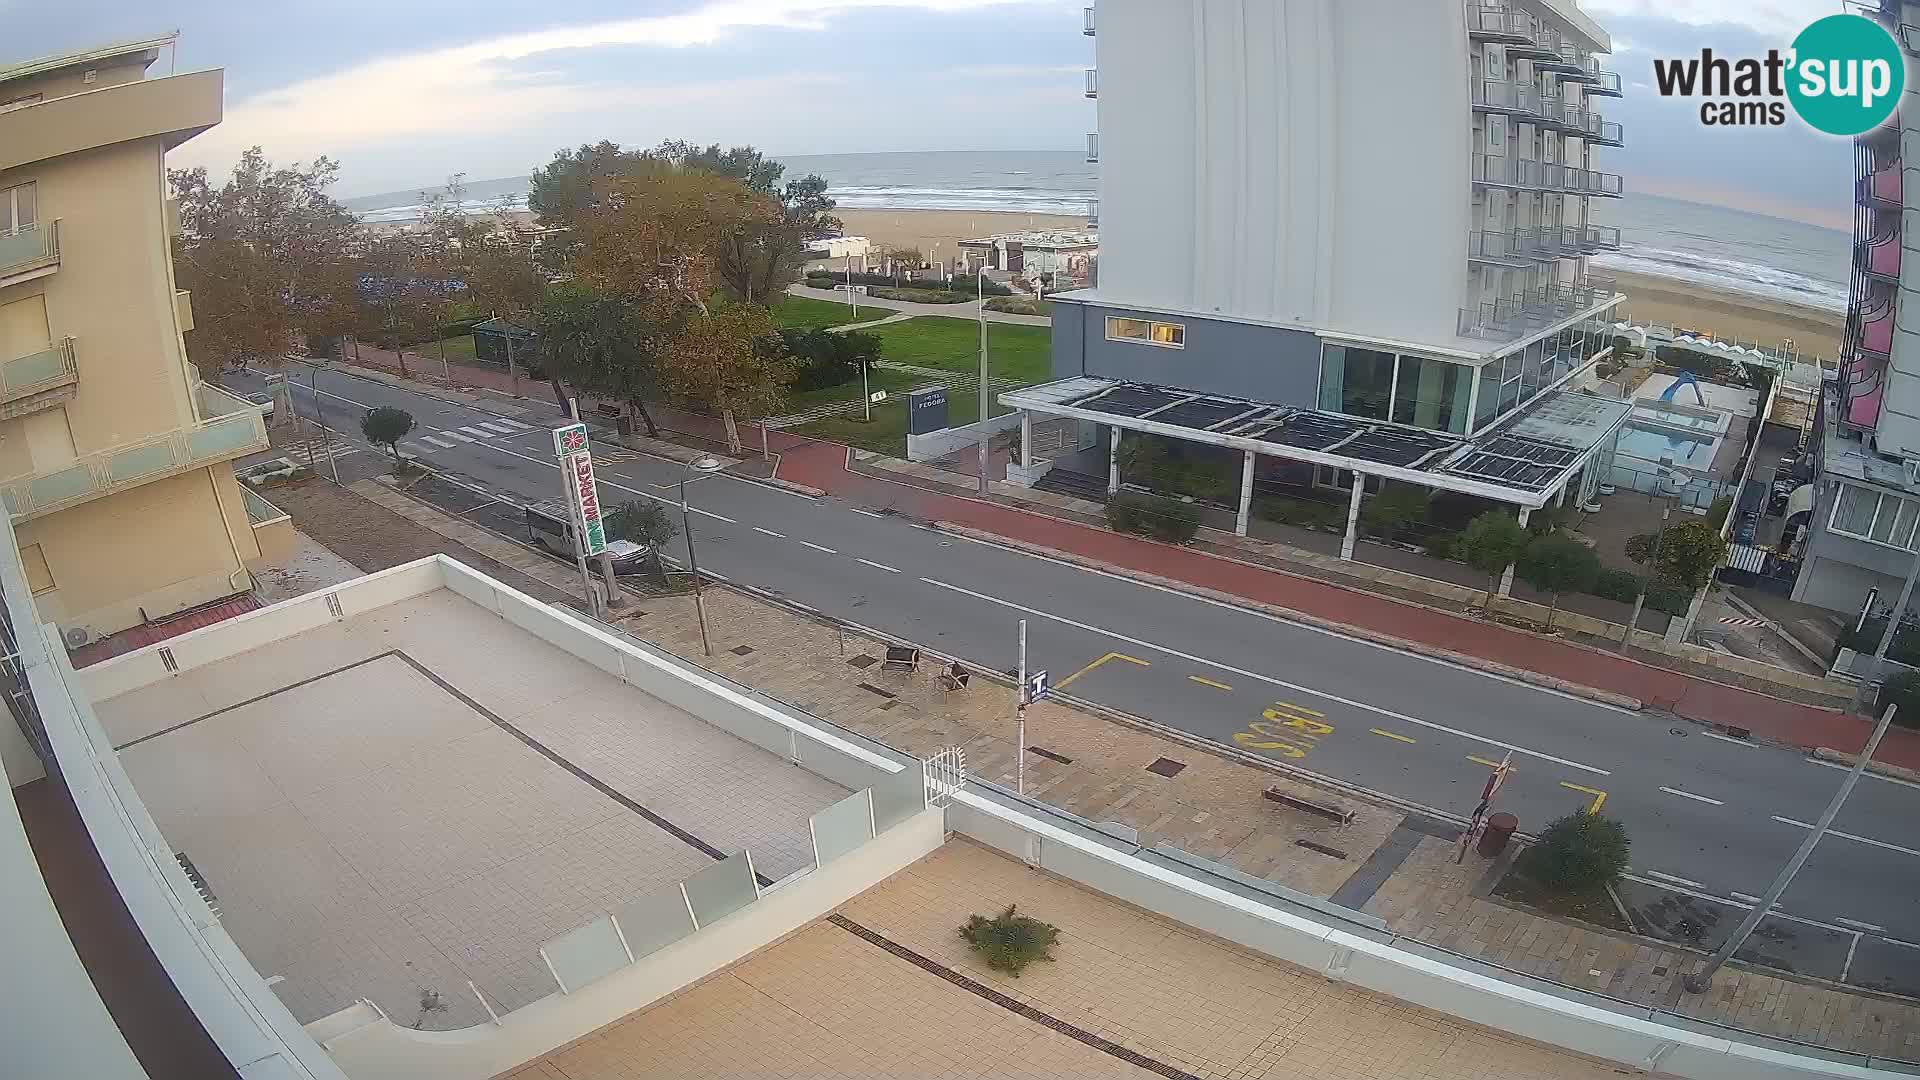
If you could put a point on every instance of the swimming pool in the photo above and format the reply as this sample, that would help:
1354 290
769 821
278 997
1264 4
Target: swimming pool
1654 444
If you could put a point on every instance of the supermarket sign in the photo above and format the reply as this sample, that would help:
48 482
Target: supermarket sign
576 468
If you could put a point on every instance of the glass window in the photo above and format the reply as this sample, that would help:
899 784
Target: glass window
1853 510
1532 367
1432 394
1489 394
1332 376
1883 522
17 209
1366 384
1128 329
1168 333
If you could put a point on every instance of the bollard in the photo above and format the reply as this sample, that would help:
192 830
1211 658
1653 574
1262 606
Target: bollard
1499 830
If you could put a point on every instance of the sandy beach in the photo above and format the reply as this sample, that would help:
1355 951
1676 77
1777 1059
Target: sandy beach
1649 299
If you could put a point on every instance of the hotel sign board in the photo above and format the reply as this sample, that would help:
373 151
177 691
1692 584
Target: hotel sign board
576 470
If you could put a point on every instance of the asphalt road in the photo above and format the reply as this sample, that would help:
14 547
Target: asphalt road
1711 818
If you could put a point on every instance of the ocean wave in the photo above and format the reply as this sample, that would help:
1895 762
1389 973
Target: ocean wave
1732 275
981 200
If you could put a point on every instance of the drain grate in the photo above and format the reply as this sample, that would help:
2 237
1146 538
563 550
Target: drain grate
1166 766
1322 849
872 689
1050 755
199 883
741 650
861 661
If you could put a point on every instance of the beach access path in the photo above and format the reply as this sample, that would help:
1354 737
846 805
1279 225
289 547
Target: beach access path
944 311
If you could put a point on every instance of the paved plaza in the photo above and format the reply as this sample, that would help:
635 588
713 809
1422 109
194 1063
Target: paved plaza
420 795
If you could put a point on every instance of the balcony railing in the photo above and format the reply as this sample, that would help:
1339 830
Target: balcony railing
1600 81
1499 248
232 428
1494 170
1093 147
1604 185
1088 13
1516 316
29 250
1093 213
260 511
1093 83
1494 95
49 369
1595 238
1567 61
1489 20
1547 242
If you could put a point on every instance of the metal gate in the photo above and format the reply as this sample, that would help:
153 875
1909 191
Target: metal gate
944 774
1746 557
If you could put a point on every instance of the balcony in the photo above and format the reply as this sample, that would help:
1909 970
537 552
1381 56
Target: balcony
1516 316
33 252
1604 185
1548 242
1093 214
1567 61
1601 82
272 528
1088 13
1507 98
1496 249
232 428
1491 21
38 380
1598 238
1093 82
1093 148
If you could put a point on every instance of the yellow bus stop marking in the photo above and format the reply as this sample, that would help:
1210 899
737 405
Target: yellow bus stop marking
1204 681
1385 734
1062 684
1599 797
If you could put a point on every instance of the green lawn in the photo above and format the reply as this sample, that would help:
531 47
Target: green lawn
458 348
877 379
887 432
804 312
1019 352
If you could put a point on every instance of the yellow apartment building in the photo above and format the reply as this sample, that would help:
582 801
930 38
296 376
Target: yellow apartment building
115 458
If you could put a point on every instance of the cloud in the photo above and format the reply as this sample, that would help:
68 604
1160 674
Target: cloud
507 81
1775 18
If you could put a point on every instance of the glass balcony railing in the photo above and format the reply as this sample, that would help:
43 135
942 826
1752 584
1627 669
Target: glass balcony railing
231 428
1516 316
1093 83
1093 147
1494 170
1567 59
1596 238
30 248
1495 95
1499 248
36 373
260 511
1600 81
1604 185
1087 13
1093 213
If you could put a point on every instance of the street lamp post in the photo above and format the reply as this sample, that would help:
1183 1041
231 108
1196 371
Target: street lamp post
986 452
1898 613
701 465
320 417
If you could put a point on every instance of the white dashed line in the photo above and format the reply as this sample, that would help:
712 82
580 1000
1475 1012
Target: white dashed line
1727 738
1856 837
817 547
1691 795
1875 775
1858 925
1677 880
1322 694
879 565
515 424
441 443
769 532
866 513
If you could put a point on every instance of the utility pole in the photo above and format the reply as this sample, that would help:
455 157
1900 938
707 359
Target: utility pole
1701 981
1646 579
320 417
852 297
1020 717
704 465
1886 636
986 452
864 394
513 375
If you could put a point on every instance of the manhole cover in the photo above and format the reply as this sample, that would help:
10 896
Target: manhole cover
1166 767
741 650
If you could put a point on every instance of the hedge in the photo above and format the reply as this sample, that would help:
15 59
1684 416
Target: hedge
827 279
1153 515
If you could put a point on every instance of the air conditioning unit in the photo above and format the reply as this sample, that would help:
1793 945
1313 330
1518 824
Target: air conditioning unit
76 636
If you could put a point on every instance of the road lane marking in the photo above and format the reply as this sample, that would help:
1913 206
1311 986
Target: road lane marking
1322 694
478 432
867 513
1599 797
1204 681
457 436
1875 775
441 443
1676 879
608 483
1727 738
1858 925
817 547
1394 735
1748 897
496 427
1062 684
769 532
515 424
1856 837
1691 795
1478 760
879 565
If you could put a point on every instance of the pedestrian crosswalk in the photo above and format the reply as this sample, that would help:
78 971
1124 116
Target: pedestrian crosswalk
430 440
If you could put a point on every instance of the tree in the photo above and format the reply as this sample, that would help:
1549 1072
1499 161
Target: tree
646 523
760 259
827 358
1557 563
1902 689
1389 513
728 358
1489 544
1578 853
385 425
266 255
603 344
1689 553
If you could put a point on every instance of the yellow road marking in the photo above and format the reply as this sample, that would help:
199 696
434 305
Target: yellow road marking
1483 761
1390 735
1062 684
1204 681
1254 742
1599 797
1298 723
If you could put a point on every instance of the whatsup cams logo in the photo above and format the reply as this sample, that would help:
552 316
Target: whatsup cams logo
1843 75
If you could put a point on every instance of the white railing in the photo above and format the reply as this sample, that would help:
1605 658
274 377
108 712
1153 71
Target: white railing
39 372
1093 147
1093 82
29 246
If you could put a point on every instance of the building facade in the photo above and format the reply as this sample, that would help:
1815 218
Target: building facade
1859 542
1264 239
115 458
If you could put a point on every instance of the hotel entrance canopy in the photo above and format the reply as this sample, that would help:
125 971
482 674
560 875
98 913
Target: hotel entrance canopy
1525 461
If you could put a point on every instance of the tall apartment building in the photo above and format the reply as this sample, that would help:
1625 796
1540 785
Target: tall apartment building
1861 533
1366 222
114 456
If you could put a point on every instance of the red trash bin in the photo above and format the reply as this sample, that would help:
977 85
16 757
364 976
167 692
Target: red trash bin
1499 830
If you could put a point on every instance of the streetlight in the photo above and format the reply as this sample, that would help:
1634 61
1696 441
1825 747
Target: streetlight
697 465
986 453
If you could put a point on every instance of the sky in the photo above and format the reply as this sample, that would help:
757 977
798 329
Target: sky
404 93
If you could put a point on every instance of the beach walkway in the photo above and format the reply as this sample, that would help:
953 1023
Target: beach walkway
945 311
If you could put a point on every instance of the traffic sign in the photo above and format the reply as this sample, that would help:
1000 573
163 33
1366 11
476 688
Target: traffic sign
275 378
1036 687
877 396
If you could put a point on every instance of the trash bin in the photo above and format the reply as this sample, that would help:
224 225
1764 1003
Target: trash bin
1499 830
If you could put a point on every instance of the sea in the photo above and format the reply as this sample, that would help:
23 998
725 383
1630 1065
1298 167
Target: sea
1714 246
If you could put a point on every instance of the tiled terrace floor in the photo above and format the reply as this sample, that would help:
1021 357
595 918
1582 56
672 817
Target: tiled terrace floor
366 807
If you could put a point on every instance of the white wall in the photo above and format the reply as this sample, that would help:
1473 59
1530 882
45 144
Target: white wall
1294 161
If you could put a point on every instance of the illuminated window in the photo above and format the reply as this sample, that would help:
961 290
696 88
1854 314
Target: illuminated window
1167 335
1128 329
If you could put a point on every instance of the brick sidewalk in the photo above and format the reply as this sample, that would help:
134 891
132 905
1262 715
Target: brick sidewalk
1212 807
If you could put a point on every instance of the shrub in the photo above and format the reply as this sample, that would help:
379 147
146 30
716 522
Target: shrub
1557 564
1152 515
1904 649
1020 305
921 296
1300 512
1490 544
1621 585
1902 689
1577 853
828 359
386 426
827 279
1440 545
1009 941
1389 513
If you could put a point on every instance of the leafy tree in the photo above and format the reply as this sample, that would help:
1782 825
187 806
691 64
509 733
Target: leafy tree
267 254
1578 853
758 260
1389 513
728 358
827 358
604 344
1010 941
1489 544
399 301
489 256
1557 563
1902 689
646 523
1689 553
385 425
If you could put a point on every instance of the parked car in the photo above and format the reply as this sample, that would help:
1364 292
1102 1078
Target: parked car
556 535
264 402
